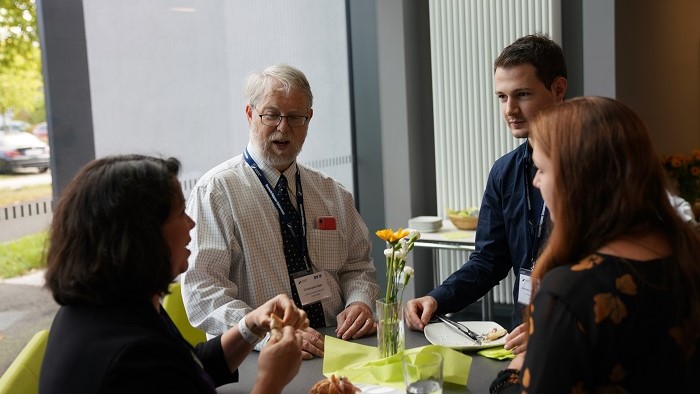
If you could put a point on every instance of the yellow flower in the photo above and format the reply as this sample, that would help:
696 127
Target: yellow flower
390 236
396 253
684 172
696 154
398 246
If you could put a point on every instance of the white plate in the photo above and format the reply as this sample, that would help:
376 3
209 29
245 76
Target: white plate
372 389
442 334
426 224
427 220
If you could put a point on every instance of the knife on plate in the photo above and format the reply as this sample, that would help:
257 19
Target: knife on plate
461 328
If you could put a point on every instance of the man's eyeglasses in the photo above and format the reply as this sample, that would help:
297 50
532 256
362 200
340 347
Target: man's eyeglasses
275 120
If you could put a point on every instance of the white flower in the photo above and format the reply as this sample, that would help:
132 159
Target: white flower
404 247
399 244
406 275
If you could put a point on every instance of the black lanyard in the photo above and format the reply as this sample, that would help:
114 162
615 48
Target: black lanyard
537 241
285 217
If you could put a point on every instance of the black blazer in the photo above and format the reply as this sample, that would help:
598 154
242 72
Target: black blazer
127 349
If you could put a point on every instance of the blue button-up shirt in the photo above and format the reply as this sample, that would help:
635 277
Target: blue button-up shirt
504 236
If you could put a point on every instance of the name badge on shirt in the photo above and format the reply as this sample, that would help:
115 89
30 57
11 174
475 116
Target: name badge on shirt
524 286
312 287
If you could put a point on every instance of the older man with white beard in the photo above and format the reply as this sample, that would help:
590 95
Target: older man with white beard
258 235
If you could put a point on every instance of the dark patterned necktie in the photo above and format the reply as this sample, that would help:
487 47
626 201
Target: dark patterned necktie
292 253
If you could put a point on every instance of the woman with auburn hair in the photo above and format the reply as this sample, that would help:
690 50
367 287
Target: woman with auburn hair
618 303
119 237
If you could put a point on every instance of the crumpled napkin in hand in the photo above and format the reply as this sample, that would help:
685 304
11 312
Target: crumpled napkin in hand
359 363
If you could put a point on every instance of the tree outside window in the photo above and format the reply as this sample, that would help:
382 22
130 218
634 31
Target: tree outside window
21 82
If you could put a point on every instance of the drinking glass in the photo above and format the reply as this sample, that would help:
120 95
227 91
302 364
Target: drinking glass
422 373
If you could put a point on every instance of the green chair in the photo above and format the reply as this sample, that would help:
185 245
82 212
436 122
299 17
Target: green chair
22 377
175 307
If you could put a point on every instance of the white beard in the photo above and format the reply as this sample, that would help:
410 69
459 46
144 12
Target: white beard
265 150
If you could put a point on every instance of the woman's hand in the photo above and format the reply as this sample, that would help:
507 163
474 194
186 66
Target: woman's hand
236 348
516 340
279 362
258 320
517 362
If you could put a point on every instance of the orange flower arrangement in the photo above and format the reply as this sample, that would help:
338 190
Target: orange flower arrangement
390 337
396 252
685 171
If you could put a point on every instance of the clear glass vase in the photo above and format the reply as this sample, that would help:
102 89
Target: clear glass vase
391 338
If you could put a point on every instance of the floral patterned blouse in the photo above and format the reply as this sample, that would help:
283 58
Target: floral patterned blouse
605 325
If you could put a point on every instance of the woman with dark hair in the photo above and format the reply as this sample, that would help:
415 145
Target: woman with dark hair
618 303
119 237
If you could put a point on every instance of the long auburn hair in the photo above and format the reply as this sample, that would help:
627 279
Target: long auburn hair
609 182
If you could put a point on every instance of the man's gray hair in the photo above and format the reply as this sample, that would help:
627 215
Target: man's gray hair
291 78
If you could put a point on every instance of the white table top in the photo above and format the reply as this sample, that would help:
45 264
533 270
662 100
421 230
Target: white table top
448 234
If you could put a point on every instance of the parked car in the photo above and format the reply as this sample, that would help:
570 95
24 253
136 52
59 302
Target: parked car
41 131
19 149
14 125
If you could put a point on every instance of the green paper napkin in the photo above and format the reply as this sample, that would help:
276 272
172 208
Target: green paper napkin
498 353
359 363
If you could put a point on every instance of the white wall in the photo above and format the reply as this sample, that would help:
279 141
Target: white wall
166 77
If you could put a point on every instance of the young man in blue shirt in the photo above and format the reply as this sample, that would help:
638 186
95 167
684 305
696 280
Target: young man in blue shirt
530 74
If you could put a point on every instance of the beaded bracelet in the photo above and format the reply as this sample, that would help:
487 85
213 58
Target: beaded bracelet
247 334
505 378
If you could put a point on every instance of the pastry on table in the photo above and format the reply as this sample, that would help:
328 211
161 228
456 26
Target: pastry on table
495 333
334 385
276 326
